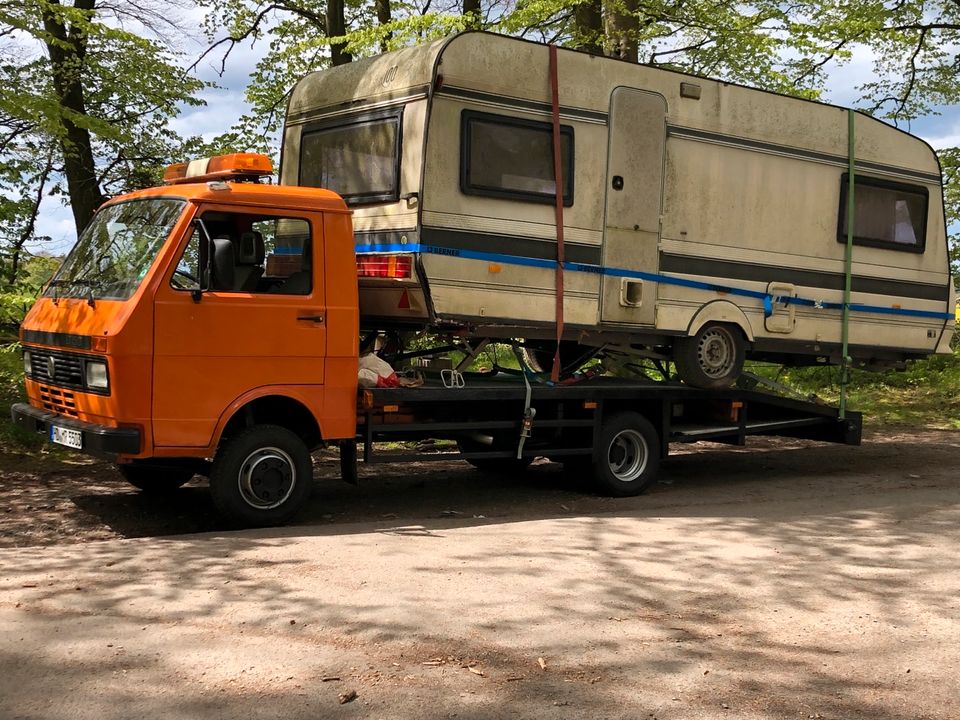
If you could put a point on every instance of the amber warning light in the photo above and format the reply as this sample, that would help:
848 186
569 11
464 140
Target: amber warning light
219 167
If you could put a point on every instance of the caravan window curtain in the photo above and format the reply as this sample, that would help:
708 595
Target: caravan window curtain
886 214
512 158
358 159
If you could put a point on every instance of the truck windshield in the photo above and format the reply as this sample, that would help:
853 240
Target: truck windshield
116 249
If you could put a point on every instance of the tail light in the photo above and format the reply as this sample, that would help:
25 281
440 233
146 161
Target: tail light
399 267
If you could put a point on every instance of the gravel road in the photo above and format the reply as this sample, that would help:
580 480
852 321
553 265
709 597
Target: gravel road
785 580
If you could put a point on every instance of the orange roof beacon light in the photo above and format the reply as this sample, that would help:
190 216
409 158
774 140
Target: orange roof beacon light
240 166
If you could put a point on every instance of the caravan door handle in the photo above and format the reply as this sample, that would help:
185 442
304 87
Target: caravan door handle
318 318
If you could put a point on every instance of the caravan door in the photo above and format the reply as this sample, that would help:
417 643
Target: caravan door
631 230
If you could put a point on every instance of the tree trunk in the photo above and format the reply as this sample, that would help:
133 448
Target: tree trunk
337 27
588 24
383 17
67 48
622 29
471 12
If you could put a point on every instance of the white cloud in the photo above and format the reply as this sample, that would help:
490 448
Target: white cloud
56 222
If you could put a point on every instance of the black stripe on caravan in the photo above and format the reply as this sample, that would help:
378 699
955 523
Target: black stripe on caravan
57 339
540 107
412 93
705 267
510 245
693 134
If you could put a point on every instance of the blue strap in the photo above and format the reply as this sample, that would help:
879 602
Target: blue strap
767 299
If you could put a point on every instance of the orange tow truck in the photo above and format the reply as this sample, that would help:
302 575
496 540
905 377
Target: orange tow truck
211 326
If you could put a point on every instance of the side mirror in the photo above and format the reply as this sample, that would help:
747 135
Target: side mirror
205 253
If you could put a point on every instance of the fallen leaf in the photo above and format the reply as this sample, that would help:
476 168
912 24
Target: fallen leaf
518 677
542 663
476 671
330 678
348 696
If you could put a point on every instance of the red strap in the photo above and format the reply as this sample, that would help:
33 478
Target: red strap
558 179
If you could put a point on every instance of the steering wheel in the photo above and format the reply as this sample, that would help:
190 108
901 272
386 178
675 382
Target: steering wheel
193 280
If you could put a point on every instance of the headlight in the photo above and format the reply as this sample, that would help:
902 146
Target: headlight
27 364
97 375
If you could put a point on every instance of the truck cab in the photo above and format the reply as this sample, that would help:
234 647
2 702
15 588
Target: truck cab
208 325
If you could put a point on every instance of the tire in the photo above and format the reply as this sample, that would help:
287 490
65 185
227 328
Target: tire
540 356
155 479
262 477
495 466
628 457
712 358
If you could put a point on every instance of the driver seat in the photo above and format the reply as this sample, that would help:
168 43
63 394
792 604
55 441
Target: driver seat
250 256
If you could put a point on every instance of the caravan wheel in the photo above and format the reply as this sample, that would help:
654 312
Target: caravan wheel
712 358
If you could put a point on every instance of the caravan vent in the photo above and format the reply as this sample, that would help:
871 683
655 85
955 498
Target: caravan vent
690 90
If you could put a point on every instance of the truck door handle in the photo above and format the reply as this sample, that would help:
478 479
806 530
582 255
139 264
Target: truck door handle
311 318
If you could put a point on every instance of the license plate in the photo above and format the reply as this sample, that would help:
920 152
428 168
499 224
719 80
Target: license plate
66 436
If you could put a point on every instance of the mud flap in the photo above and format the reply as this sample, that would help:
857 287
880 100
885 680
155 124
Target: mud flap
348 462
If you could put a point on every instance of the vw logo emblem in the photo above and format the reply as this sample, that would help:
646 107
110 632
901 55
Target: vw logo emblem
51 367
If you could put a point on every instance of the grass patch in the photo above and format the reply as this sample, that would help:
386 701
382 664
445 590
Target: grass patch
926 394
12 437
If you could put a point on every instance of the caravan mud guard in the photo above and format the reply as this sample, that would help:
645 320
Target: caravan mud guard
720 311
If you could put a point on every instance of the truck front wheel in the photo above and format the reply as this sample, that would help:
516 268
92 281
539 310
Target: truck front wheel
628 456
262 477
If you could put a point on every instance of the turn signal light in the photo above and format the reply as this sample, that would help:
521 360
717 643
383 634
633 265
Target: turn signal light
219 167
399 267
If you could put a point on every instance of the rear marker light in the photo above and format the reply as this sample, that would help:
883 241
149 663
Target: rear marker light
397 267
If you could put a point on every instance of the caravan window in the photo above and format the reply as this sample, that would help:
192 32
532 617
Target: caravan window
886 214
513 158
358 158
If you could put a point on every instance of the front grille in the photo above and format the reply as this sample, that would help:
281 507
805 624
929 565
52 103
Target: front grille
57 368
58 401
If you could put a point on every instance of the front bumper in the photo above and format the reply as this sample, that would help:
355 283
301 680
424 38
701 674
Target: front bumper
97 439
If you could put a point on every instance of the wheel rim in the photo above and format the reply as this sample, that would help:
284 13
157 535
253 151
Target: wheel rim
267 478
716 352
627 455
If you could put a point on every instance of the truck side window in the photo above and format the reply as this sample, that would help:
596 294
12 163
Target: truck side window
512 158
886 214
250 254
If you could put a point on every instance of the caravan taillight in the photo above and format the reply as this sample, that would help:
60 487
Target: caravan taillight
399 267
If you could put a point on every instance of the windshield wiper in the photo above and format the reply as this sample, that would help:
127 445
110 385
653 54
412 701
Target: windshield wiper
82 282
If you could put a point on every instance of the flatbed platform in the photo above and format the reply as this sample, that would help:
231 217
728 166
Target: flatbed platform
499 423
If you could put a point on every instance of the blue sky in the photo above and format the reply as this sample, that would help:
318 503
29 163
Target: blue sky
226 102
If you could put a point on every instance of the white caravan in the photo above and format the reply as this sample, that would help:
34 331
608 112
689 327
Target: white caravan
701 220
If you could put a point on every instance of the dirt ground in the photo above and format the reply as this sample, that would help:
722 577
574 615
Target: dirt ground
784 580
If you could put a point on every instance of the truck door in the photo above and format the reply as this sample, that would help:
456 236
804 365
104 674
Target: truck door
634 190
261 322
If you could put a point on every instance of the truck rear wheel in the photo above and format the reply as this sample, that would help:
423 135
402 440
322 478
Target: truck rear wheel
628 455
712 358
261 477
155 479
